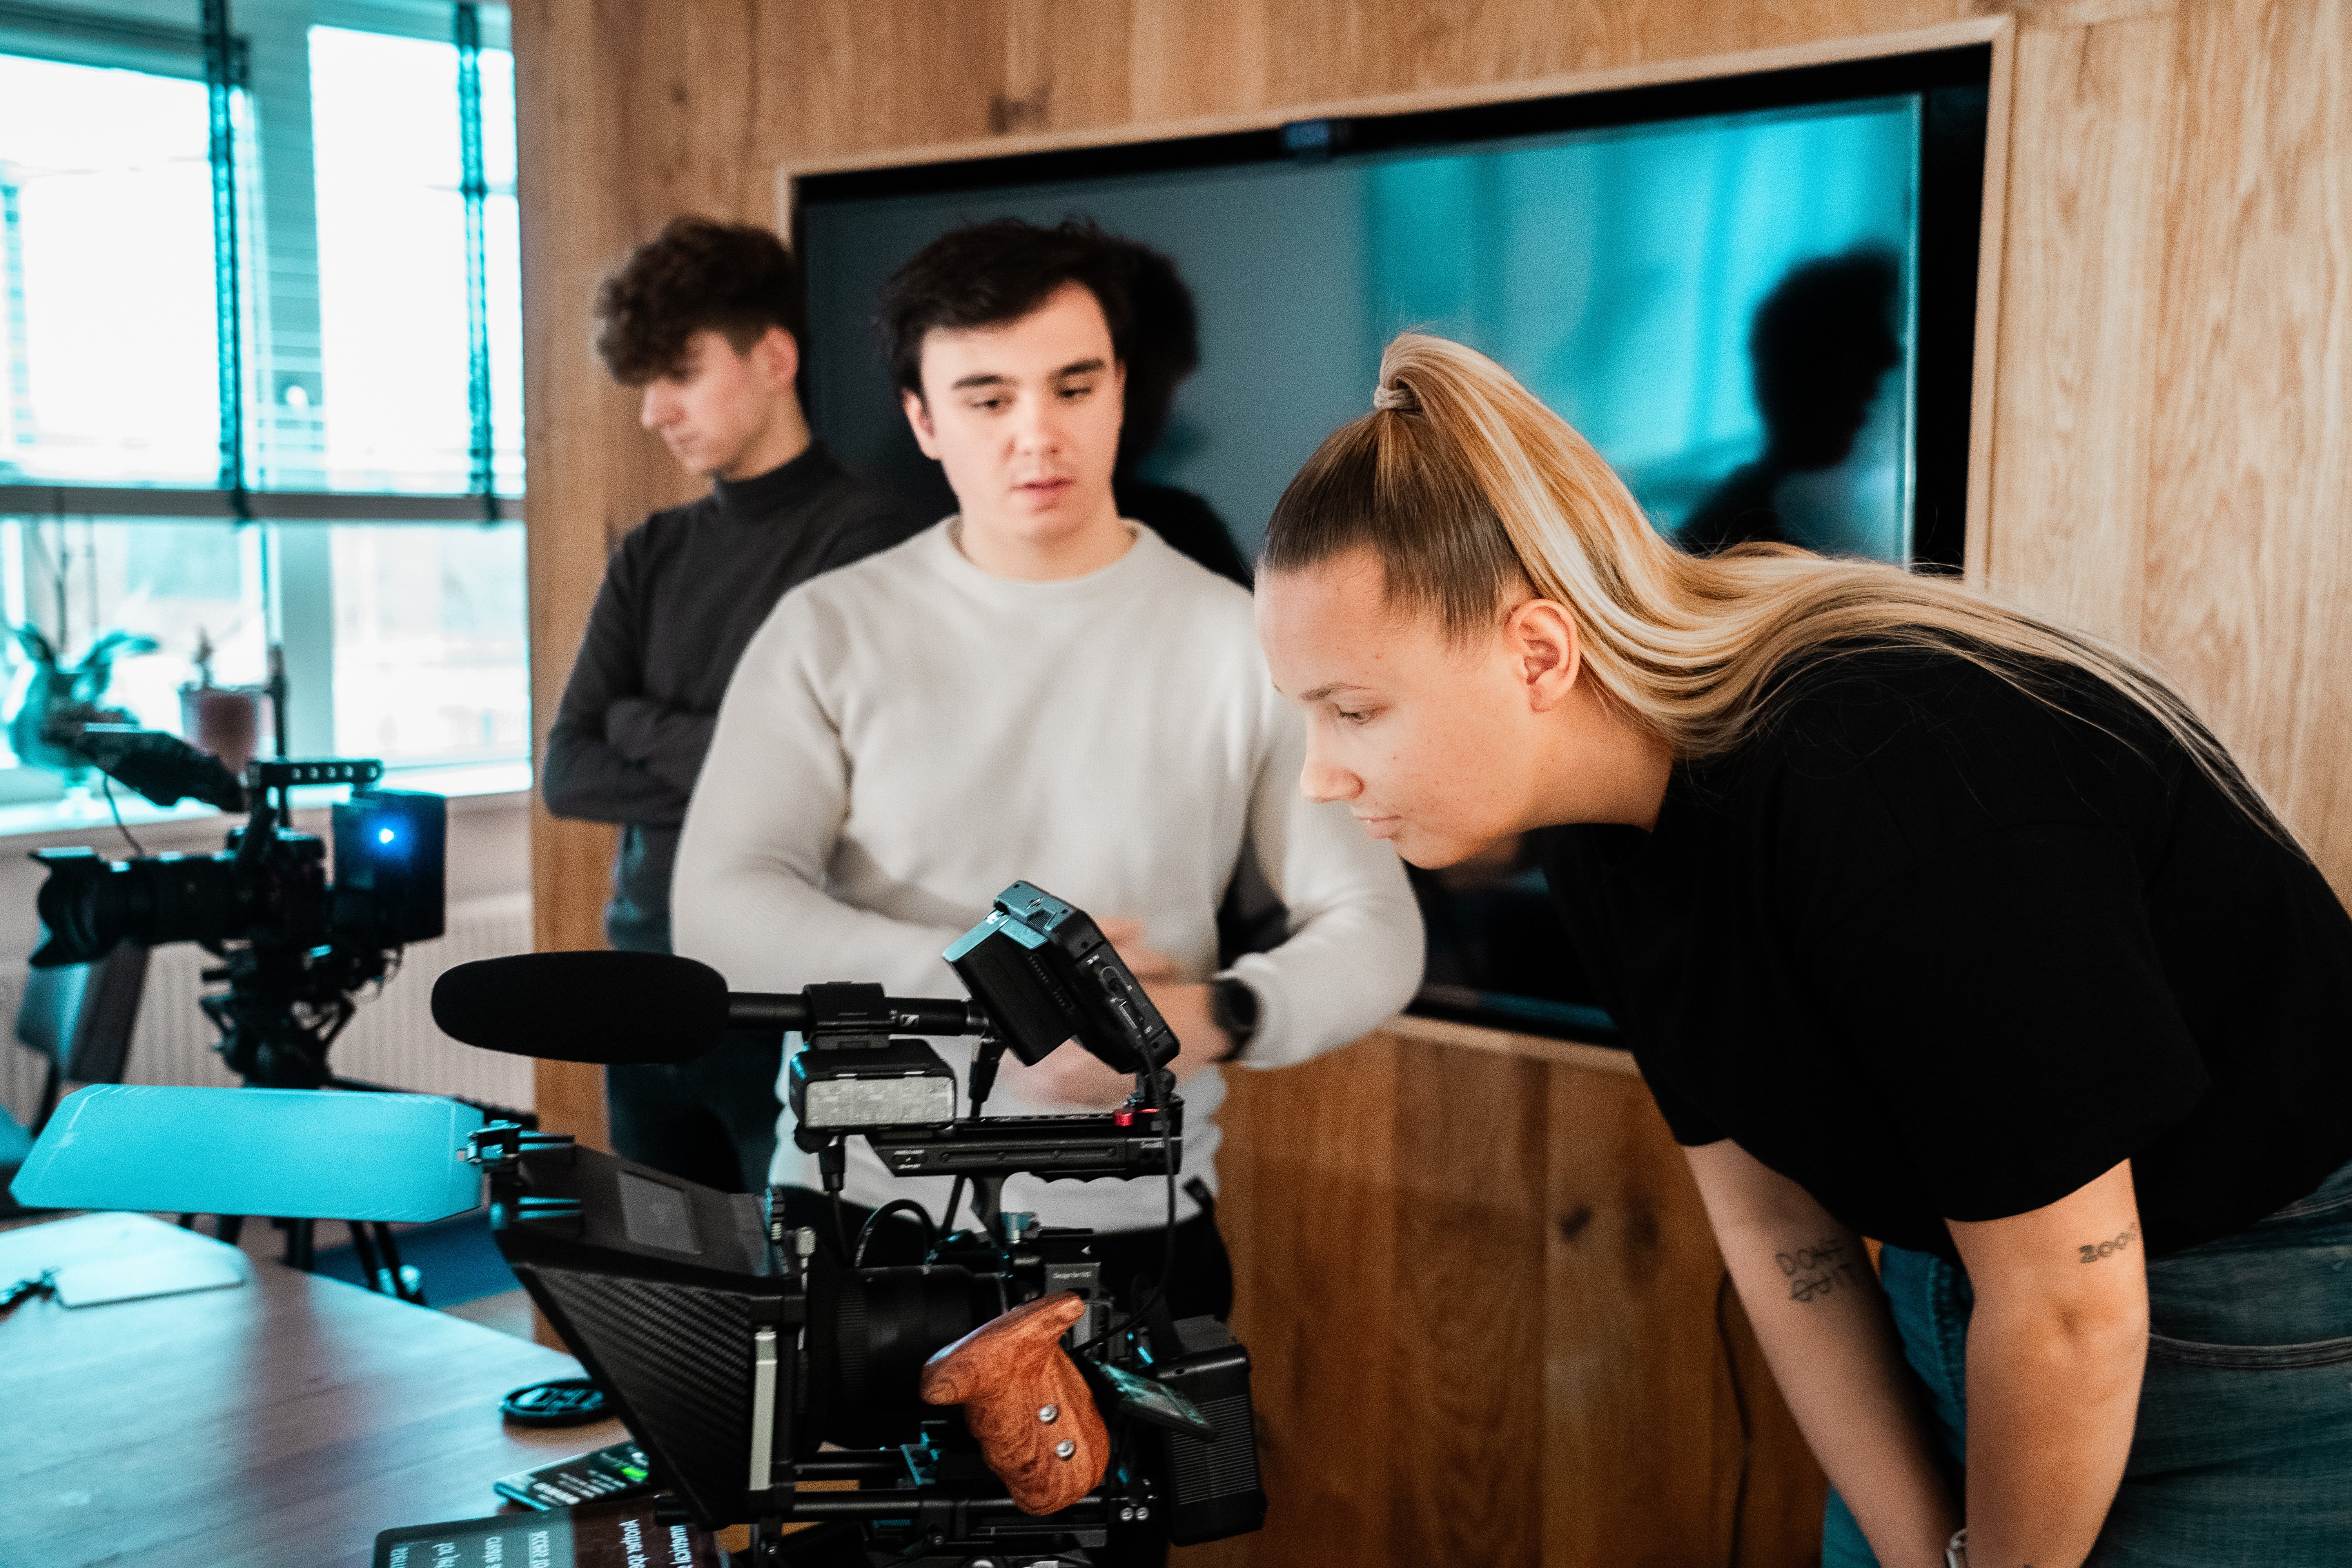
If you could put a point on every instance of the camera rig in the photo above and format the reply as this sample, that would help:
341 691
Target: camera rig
294 949
993 1405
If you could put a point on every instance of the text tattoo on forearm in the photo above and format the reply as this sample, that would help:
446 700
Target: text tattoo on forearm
2095 1252
1816 1270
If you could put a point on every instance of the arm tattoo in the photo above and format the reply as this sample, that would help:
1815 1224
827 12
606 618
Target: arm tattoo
1817 1270
2092 1254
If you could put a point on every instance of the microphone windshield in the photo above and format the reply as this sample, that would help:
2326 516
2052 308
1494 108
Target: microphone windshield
600 1007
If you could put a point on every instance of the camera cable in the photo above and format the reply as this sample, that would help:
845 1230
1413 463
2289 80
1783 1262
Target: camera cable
1738 1405
1138 1318
106 783
979 1081
896 1205
41 1284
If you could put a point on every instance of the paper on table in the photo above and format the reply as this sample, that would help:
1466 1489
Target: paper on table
172 1273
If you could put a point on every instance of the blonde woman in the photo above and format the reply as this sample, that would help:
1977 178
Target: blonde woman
1926 920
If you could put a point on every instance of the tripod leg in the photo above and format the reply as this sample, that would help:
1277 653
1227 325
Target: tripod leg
371 1274
301 1244
394 1271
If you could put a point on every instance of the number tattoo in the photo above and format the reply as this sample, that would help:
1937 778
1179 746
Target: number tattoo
1817 1270
2109 1248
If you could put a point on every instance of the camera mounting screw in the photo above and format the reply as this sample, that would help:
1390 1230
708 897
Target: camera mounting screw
498 1146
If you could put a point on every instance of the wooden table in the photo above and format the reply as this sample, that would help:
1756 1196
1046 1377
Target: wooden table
282 1422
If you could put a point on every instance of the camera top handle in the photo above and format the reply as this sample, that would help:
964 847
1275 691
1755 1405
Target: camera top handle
845 1014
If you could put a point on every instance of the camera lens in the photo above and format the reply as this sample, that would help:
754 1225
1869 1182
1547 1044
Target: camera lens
92 905
870 1331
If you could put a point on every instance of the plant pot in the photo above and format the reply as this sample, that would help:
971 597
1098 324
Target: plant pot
226 720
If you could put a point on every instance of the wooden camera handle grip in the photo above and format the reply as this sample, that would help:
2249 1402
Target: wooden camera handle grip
1025 1401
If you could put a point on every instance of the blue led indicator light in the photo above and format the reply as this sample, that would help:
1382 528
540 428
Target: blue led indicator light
384 836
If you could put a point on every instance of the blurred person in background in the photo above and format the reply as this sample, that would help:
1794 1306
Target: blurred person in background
705 323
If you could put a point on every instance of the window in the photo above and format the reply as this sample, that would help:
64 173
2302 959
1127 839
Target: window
392 261
429 656
106 197
367 399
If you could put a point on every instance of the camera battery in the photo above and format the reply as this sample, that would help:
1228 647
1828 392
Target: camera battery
1214 1485
901 1083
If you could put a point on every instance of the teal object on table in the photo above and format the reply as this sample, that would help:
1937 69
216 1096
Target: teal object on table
298 1154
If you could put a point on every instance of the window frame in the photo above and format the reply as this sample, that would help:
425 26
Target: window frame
125 39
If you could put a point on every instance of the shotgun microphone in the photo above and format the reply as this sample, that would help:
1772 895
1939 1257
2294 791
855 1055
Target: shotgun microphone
611 1008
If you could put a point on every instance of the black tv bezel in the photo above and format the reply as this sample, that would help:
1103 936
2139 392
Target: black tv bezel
1954 84
1952 135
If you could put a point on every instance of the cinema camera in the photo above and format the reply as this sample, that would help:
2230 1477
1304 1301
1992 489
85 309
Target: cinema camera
295 948
991 1406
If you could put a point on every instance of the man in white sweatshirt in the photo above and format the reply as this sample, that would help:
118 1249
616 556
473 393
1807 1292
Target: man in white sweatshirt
1032 689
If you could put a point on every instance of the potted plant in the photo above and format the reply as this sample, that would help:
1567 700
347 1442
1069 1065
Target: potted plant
60 698
226 720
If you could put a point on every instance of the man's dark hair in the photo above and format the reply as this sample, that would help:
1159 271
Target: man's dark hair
700 275
1163 348
988 274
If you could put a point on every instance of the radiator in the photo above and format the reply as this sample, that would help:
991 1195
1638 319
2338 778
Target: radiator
391 1040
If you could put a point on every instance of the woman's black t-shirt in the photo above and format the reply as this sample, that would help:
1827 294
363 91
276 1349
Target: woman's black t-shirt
1936 949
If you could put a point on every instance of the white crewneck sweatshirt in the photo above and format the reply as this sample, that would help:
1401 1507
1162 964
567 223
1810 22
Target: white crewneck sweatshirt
908 735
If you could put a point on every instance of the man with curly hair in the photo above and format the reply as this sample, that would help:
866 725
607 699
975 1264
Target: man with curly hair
705 322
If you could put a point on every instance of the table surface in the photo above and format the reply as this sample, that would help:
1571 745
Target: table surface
284 1421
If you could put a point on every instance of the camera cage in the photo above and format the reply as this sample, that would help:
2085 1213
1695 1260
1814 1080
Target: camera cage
296 948
710 1322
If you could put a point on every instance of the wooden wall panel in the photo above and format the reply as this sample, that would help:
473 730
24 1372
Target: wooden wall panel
848 74
1067 63
578 434
692 99
1630 1263
1194 58
2249 498
1309 1198
1480 1297
2078 325
1463 1368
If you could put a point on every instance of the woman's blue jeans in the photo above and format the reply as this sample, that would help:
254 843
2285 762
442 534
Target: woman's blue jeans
2243 1454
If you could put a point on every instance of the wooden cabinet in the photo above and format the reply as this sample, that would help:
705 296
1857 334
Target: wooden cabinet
1488 1324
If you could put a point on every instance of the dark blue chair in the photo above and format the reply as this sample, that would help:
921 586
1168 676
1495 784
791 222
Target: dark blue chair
78 1018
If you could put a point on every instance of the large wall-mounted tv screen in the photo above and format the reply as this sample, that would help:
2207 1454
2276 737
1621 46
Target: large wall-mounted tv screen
1756 295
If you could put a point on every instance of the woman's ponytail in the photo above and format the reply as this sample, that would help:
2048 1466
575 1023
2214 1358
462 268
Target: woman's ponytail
1472 494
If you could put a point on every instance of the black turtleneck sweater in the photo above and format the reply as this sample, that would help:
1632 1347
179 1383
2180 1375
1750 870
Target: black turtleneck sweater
682 596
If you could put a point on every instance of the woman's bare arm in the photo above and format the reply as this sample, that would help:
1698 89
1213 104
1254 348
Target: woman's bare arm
1822 1322
2056 1348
